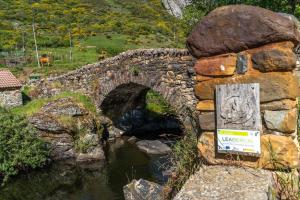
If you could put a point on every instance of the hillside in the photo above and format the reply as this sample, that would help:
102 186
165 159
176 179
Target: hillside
95 28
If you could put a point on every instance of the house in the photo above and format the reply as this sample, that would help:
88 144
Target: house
10 90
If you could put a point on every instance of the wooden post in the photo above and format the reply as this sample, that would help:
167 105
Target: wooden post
35 43
70 53
238 118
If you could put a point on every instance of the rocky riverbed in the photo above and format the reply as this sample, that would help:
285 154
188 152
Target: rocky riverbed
100 180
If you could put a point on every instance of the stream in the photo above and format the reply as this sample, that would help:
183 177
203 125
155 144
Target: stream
102 180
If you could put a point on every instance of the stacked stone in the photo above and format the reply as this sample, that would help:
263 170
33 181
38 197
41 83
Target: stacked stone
246 44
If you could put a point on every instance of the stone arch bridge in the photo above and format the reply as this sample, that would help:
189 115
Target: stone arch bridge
166 71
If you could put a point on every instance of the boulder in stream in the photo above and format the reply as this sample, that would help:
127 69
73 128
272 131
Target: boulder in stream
143 190
153 147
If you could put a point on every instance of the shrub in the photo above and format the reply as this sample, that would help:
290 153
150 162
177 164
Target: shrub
186 159
286 185
111 50
20 149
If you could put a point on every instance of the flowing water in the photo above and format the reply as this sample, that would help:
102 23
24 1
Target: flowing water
94 181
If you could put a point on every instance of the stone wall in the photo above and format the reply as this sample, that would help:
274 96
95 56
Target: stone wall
166 71
10 98
241 56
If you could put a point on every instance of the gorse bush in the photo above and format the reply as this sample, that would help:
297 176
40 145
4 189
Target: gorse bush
20 149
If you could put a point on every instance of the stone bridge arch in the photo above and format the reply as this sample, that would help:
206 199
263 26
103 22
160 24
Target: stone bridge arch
166 71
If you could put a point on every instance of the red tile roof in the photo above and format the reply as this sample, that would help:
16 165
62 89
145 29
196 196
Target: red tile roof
8 80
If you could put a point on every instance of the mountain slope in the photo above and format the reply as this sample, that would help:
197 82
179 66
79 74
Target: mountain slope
56 20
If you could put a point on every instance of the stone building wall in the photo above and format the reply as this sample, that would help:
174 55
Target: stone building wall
10 98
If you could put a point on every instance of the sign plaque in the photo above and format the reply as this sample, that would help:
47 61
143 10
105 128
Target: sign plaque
238 119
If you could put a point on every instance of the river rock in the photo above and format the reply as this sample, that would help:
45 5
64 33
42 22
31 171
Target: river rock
276 152
273 85
274 60
61 146
236 28
143 190
285 104
206 105
284 121
223 65
132 139
91 139
94 153
153 147
227 183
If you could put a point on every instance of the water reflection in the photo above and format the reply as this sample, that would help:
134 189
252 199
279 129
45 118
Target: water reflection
97 181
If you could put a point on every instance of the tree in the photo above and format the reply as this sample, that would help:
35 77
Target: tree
200 8
287 6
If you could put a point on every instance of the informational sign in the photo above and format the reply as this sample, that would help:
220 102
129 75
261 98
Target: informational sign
238 141
238 118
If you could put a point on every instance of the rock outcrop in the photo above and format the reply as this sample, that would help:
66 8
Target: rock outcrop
227 183
143 190
70 130
175 7
239 27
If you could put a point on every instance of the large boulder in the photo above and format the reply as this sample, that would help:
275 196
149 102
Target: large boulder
45 122
227 183
70 130
143 190
236 28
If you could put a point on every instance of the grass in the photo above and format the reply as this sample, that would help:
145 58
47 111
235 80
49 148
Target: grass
89 52
35 105
186 159
97 25
286 180
287 185
155 103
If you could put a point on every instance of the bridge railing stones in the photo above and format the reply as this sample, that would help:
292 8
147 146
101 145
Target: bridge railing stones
167 71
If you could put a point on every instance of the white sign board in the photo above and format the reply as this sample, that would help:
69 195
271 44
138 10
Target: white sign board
238 141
